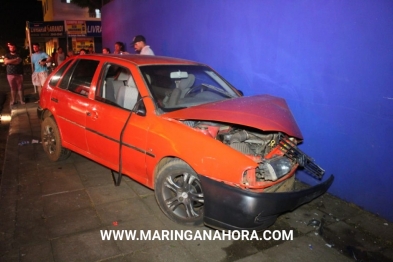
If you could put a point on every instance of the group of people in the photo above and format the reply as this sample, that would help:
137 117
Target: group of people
59 56
90 50
14 68
40 59
138 43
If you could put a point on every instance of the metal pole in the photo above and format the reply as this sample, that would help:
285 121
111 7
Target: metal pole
31 53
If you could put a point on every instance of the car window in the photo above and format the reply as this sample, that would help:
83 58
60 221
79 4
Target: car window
78 78
117 87
178 86
56 77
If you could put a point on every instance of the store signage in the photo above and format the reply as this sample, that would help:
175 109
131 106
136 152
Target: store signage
93 28
76 28
47 29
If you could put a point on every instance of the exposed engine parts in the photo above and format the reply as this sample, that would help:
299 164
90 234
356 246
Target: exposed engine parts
275 153
248 142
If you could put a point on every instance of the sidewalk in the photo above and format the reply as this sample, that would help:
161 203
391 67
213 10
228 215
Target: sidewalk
55 211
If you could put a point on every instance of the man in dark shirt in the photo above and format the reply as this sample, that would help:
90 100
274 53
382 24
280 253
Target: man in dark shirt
14 64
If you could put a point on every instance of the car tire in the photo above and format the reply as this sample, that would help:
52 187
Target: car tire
179 193
51 141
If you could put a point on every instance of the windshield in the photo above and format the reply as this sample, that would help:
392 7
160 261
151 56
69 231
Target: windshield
179 86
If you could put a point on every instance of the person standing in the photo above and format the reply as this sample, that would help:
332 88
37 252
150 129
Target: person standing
14 64
82 51
106 51
70 53
40 71
90 50
60 56
119 49
139 43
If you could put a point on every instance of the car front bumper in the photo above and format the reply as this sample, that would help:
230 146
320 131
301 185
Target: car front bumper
227 207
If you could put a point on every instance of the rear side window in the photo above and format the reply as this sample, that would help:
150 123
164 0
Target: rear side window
56 77
78 78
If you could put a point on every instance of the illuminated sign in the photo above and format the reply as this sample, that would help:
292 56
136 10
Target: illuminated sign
76 28
47 29
93 28
63 28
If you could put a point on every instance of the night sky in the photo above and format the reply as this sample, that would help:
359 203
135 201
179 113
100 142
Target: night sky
13 17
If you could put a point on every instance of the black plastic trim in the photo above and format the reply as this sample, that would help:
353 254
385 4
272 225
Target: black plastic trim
228 207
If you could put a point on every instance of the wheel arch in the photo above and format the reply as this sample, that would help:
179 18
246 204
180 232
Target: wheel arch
47 113
161 163
178 191
52 141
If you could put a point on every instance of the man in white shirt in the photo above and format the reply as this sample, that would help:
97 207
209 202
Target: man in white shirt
139 43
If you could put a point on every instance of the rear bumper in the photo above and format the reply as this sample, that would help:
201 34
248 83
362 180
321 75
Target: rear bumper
227 207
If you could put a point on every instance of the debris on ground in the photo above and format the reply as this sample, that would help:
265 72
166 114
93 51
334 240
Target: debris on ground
314 222
26 142
22 143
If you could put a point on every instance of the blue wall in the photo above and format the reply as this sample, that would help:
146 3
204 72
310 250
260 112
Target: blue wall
331 60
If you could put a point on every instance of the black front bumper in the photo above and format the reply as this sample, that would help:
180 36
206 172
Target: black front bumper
228 207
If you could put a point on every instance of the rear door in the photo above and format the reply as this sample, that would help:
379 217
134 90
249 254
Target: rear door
70 101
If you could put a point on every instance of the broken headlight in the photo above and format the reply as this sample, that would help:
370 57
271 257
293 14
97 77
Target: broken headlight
274 168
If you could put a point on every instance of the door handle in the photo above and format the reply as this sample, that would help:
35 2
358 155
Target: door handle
54 99
94 114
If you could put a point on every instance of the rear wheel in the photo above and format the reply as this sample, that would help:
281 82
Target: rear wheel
51 141
179 193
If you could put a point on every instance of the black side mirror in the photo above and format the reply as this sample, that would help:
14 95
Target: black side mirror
141 112
139 108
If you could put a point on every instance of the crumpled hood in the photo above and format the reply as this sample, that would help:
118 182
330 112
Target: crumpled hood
264 112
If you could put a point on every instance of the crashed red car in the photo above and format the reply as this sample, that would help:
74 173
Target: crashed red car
212 155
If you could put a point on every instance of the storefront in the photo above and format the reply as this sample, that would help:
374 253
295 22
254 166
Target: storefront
70 35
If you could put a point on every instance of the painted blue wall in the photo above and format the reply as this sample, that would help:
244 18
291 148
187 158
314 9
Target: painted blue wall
331 60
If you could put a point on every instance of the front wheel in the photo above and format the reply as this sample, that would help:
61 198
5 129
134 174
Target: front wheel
179 193
51 141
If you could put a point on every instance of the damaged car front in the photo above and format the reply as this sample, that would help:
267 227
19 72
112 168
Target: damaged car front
261 139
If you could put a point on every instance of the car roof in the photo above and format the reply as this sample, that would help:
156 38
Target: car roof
144 59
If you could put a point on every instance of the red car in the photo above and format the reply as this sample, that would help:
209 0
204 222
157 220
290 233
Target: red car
176 126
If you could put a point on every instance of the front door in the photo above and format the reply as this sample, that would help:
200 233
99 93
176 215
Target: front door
113 130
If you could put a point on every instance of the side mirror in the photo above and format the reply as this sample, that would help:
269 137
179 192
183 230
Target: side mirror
141 112
240 92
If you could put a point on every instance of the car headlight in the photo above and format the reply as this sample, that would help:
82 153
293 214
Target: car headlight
275 168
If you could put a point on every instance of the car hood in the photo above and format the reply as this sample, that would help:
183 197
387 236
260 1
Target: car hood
264 112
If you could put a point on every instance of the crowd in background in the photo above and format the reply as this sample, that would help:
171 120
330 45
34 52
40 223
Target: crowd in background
42 63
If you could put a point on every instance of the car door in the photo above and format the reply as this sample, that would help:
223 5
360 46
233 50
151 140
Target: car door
111 120
70 101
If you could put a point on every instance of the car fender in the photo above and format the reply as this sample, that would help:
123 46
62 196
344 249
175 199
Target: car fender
171 138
